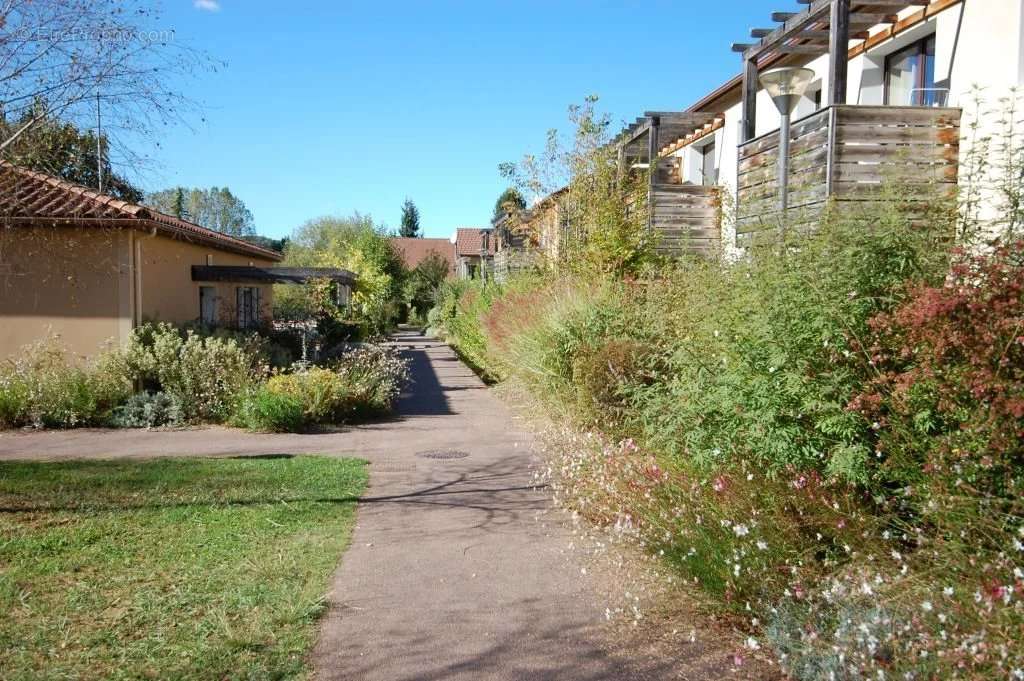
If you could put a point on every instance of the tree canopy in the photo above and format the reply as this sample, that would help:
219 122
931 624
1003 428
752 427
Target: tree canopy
59 148
357 244
61 59
422 282
215 208
510 201
410 220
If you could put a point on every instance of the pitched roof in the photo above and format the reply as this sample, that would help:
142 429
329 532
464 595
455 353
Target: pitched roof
29 197
415 250
469 241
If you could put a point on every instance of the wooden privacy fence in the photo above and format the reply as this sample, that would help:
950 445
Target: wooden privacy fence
511 261
849 153
686 219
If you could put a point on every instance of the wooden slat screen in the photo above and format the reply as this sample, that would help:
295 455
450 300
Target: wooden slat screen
687 218
849 153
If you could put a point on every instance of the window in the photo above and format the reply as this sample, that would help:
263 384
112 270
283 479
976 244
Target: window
910 76
816 97
708 167
342 294
208 305
248 302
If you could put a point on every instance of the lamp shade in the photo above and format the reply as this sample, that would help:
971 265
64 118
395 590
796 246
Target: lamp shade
786 85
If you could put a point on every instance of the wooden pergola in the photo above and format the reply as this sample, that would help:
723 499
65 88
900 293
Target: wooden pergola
823 27
644 143
656 132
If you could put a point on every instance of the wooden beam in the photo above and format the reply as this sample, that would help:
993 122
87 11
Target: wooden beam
817 10
872 18
750 86
652 170
803 49
838 51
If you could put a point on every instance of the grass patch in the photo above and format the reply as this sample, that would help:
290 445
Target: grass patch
169 569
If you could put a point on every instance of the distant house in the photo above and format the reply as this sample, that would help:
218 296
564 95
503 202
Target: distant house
90 268
415 250
474 251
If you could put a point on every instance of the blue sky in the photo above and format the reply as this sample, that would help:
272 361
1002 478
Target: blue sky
335 107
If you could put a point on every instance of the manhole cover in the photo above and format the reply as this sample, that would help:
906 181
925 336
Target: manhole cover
443 454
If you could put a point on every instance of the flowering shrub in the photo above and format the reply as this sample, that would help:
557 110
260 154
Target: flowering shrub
44 388
206 375
948 391
374 376
362 382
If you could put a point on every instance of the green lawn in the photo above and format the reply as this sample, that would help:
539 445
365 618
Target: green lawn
169 569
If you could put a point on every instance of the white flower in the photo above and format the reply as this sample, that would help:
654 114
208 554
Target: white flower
927 606
753 644
763 546
948 591
741 530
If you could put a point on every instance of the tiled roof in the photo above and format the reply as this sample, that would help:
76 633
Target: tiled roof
29 197
469 240
415 250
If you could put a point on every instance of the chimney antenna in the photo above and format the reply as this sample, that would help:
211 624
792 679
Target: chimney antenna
99 143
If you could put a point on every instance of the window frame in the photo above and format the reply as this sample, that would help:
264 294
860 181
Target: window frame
709 152
920 48
247 316
211 293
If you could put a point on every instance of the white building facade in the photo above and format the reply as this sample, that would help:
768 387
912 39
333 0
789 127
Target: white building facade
946 53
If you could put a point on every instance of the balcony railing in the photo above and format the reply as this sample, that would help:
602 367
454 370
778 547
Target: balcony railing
686 219
849 153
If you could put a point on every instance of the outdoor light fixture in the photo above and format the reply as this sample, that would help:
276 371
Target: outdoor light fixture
785 86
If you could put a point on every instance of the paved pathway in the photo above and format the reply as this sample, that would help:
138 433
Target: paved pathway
459 568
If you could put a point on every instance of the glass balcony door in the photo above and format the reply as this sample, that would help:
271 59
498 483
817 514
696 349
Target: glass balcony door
910 76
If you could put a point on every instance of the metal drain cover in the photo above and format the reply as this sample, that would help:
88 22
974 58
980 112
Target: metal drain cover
443 454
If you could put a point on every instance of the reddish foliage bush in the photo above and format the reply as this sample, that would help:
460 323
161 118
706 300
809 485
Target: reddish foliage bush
947 395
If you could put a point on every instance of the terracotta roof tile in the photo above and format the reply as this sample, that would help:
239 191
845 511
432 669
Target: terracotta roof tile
469 240
28 196
415 250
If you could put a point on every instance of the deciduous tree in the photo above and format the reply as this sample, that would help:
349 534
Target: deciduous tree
59 148
215 208
60 59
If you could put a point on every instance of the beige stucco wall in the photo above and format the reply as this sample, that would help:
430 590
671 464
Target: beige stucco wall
72 283
166 290
90 286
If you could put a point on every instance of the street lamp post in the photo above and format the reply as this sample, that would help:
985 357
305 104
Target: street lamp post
785 86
